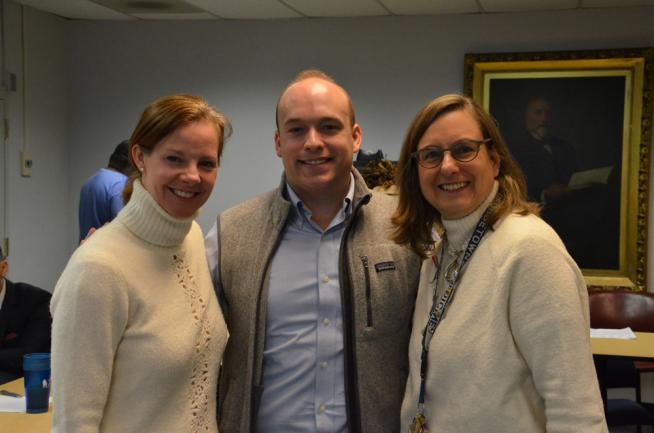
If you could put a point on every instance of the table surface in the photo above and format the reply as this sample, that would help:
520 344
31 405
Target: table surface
640 348
23 422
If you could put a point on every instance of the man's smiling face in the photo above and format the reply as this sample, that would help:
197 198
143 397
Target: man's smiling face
316 138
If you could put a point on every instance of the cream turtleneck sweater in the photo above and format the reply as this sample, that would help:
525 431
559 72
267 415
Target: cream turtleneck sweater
512 353
137 332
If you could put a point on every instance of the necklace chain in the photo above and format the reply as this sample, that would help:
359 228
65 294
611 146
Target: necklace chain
452 271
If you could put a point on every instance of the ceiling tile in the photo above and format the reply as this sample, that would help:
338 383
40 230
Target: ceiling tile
337 8
276 9
175 16
431 7
149 6
527 5
76 9
246 9
615 3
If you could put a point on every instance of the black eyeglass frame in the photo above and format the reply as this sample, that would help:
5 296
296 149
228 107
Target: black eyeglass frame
478 143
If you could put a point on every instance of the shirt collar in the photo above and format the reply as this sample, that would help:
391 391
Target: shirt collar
302 214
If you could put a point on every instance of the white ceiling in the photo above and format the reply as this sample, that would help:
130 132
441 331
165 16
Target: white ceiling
276 9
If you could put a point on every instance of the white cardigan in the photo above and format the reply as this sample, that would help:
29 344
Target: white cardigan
512 353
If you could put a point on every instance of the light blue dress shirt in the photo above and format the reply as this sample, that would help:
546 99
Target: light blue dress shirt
303 372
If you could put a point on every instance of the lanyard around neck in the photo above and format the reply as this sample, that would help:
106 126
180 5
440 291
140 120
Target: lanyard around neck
440 305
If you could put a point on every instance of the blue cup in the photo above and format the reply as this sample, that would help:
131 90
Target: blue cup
37 382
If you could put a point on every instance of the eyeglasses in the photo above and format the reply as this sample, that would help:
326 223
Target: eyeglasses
462 151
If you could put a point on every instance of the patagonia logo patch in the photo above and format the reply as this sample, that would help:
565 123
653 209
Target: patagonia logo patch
384 266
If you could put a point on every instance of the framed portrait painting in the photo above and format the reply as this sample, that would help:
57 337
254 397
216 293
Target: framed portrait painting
579 126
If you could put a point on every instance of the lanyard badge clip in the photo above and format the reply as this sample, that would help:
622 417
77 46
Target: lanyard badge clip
419 423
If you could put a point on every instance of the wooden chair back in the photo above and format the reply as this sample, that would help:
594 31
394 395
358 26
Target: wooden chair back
621 308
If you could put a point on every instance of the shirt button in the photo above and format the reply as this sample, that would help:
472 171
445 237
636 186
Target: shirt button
326 322
323 364
321 408
325 279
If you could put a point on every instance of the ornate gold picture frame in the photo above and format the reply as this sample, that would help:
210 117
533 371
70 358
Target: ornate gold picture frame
579 125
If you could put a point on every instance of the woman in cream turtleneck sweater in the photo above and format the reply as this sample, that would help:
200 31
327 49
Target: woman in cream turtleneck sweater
137 331
502 309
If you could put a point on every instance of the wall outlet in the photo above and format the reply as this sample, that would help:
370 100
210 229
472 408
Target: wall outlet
25 163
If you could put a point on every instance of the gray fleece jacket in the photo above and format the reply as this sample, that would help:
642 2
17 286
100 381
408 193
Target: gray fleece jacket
378 280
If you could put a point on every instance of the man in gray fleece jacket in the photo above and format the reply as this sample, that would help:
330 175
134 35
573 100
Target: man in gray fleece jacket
318 299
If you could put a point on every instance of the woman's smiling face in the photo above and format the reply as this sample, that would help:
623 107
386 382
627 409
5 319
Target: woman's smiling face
179 173
457 188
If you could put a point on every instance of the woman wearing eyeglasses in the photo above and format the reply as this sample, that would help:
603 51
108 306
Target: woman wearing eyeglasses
500 339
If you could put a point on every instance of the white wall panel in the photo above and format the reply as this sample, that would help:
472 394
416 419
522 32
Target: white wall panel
38 207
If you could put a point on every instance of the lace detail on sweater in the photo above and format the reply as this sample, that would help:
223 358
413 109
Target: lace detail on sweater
200 382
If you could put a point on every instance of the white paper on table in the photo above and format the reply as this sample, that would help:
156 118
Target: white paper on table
12 404
619 334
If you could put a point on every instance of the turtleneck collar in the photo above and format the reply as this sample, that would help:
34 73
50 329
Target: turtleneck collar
458 231
146 219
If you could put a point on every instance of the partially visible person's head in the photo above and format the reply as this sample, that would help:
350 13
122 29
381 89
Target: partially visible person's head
176 148
119 160
4 266
379 174
537 116
453 189
316 135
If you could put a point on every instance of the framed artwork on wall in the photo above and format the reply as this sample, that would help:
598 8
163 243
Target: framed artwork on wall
578 123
